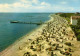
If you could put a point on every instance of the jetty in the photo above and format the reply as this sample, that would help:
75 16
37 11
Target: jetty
37 23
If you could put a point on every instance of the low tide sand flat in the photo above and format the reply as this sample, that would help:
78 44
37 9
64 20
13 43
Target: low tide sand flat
55 38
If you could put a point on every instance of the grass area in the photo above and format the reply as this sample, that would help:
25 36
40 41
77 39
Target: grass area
76 29
68 19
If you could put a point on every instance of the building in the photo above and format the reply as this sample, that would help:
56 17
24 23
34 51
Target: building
77 13
74 20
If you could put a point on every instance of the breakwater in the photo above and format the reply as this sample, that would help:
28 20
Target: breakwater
55 38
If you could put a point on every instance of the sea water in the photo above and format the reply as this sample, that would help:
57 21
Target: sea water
10 32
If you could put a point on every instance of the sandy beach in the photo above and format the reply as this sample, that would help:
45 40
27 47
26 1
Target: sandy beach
55 38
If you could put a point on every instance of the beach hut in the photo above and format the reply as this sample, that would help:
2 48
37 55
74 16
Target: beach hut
74 20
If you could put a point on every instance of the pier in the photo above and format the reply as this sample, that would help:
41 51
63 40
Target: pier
37 23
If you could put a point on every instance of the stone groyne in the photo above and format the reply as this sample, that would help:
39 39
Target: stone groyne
56 38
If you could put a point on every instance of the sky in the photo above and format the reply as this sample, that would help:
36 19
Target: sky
39 5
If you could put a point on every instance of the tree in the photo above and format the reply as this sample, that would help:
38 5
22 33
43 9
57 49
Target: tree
78 37
67 14
78 21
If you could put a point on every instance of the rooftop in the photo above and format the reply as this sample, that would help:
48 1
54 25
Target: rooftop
75 17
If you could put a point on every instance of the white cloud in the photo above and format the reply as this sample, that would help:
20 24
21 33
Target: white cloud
30 1
45 4
27 6
63 2
17 4
5 5
35 1
26 1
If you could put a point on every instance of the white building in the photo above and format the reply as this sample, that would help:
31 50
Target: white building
74 20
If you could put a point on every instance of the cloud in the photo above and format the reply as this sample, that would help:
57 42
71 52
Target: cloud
45 4
35 1
43 7
30 1
4 6
63 2
35 6
17 4
26 5
26 1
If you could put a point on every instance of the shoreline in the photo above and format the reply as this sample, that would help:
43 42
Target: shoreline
26 36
